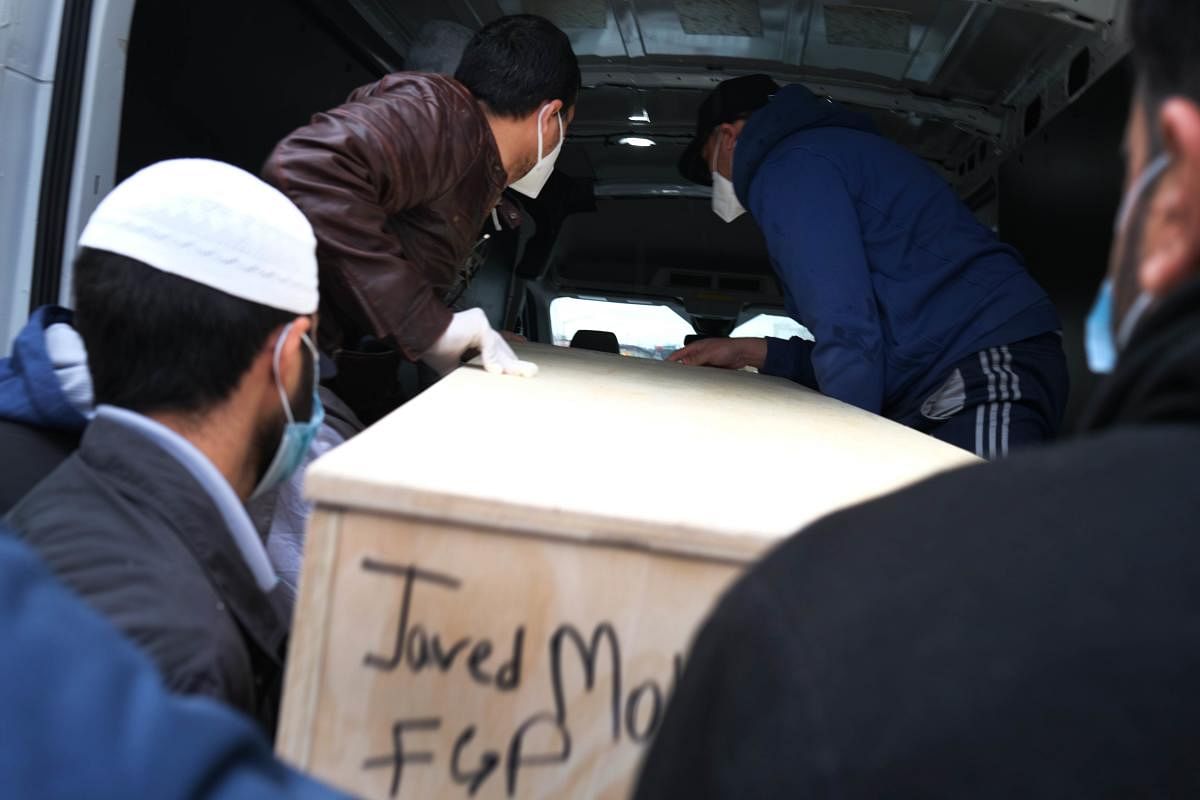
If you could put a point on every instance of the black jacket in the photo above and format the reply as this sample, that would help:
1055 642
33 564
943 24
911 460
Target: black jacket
29 454
1029 628
39 424
128 528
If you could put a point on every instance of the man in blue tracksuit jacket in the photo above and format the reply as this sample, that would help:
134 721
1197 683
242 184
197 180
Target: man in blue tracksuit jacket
919 312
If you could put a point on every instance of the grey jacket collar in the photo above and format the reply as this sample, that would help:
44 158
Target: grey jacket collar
160 485
237 520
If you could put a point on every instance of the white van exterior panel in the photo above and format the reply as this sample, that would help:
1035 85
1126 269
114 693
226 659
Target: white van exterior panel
29 32
29 36
95 165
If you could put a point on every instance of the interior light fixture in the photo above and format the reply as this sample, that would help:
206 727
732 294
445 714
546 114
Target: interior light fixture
636 141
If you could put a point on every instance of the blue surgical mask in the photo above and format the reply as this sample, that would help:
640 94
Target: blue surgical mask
297 436
1101 348
1103 340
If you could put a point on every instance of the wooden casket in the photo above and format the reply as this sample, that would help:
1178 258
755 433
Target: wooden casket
502 578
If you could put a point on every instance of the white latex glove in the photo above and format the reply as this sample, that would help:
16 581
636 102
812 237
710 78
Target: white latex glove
470 330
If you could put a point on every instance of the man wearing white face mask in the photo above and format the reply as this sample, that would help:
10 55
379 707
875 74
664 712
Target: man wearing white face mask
920 314
1021 629
195 292
399 182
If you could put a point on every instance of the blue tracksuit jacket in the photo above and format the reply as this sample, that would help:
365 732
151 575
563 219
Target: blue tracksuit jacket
878 257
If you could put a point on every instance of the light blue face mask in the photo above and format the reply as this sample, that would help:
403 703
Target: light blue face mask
1103 340
297 436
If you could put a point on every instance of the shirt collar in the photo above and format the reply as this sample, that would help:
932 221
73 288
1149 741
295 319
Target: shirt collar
237 520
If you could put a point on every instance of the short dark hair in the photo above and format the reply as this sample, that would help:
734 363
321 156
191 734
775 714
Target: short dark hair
516 63
1165 35
158 342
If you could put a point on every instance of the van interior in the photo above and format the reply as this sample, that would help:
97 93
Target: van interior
1020 104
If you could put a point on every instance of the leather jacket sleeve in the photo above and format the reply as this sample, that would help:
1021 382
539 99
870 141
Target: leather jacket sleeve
350 171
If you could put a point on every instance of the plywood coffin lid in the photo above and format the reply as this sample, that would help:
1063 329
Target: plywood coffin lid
604 448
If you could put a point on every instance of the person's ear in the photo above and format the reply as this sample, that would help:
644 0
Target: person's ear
550 117
291 366
728 138
1170 248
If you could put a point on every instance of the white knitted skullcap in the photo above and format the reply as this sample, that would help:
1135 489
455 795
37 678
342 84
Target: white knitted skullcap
214 224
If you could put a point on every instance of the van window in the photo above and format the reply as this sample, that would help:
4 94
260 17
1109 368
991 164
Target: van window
645 330
778 326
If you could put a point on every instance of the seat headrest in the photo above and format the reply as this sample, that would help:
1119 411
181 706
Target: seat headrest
600 341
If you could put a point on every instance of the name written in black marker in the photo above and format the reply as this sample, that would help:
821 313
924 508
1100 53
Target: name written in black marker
636 713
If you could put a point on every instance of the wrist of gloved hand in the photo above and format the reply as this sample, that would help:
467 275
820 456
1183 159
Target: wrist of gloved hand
470 330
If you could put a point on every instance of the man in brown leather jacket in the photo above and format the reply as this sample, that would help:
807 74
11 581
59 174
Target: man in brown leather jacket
399 182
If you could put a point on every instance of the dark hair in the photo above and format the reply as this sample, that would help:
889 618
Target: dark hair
159 342
516 63
1165 35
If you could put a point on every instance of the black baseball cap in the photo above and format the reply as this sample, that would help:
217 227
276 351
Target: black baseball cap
730 101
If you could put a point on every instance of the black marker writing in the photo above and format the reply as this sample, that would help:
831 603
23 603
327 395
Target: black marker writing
637 715
419 648
508 677
589 655
398 757
631 711
487 764
411 575
445 660
516 747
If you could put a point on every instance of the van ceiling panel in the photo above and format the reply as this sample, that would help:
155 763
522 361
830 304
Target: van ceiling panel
904 42
870 28
611 112
950 79
571 14
1015 47
720 17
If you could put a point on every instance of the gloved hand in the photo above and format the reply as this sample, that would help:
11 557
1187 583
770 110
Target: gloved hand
470 330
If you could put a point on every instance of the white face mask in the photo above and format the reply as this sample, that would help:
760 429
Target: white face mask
725 203
531 185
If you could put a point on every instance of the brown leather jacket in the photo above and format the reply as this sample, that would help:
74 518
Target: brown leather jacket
397 183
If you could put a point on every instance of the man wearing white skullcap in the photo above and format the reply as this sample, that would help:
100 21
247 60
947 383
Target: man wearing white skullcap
195 292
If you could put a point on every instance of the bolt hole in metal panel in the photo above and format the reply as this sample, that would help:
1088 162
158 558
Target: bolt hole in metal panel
1033 116
1079 72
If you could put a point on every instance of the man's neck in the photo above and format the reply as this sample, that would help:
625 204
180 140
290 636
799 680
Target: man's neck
510 136
223 438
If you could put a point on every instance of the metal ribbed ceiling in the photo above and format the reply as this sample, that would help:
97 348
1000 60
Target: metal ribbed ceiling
948 78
